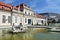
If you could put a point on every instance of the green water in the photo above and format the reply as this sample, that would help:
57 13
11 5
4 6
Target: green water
47 36
31 36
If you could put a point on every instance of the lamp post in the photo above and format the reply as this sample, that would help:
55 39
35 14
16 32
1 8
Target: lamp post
11 22
11 16
23 19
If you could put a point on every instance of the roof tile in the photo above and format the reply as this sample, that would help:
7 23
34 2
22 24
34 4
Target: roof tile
7 6
40 16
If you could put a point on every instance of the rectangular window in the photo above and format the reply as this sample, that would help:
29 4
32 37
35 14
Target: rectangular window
15 19
25 12
28 13
29 21
3 19
25 20
9 19
20 20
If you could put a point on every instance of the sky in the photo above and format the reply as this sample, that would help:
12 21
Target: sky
39 6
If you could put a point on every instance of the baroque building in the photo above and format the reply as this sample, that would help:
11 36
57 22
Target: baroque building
20 14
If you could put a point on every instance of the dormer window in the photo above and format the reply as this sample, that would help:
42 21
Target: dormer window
3 8
17 6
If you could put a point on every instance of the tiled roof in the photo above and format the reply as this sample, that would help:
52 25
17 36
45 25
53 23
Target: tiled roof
1 7
15 8
40 16
24 5
4 4
7 6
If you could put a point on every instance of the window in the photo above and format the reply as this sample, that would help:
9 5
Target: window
58 20
3 19
42 21
28 13
25 20
3 8
15 19
20 20
31 13
25 12
9 19
29 21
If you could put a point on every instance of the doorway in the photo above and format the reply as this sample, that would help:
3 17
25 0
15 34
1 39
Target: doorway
29 21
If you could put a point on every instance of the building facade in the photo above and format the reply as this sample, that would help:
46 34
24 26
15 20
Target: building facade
51 17
20 14
41 19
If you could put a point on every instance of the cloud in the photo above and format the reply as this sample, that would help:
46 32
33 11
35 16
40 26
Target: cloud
53 6
34 3
9 1
1 0
53 2
38 5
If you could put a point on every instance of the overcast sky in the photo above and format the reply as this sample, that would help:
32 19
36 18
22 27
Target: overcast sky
39 6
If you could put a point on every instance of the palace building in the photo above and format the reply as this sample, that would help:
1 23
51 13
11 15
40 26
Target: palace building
20 14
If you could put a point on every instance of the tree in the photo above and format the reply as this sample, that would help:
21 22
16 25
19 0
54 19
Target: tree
53 21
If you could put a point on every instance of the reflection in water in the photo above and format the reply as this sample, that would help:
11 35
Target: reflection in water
30 36
19 36
47 36
22 36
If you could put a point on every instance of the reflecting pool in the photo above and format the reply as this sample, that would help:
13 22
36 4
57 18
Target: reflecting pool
31 36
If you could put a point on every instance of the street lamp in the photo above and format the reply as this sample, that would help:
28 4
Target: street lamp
11 16
23 19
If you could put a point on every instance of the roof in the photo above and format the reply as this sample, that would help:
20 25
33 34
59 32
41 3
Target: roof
40 16
7 6
24 5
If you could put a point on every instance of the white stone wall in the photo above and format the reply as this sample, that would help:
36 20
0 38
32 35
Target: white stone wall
39 21
20 18
17 19
6 14
28 10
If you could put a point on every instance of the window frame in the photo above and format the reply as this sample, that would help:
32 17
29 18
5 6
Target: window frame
15 19
9 19
3 19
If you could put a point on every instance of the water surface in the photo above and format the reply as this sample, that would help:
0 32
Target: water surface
31 36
